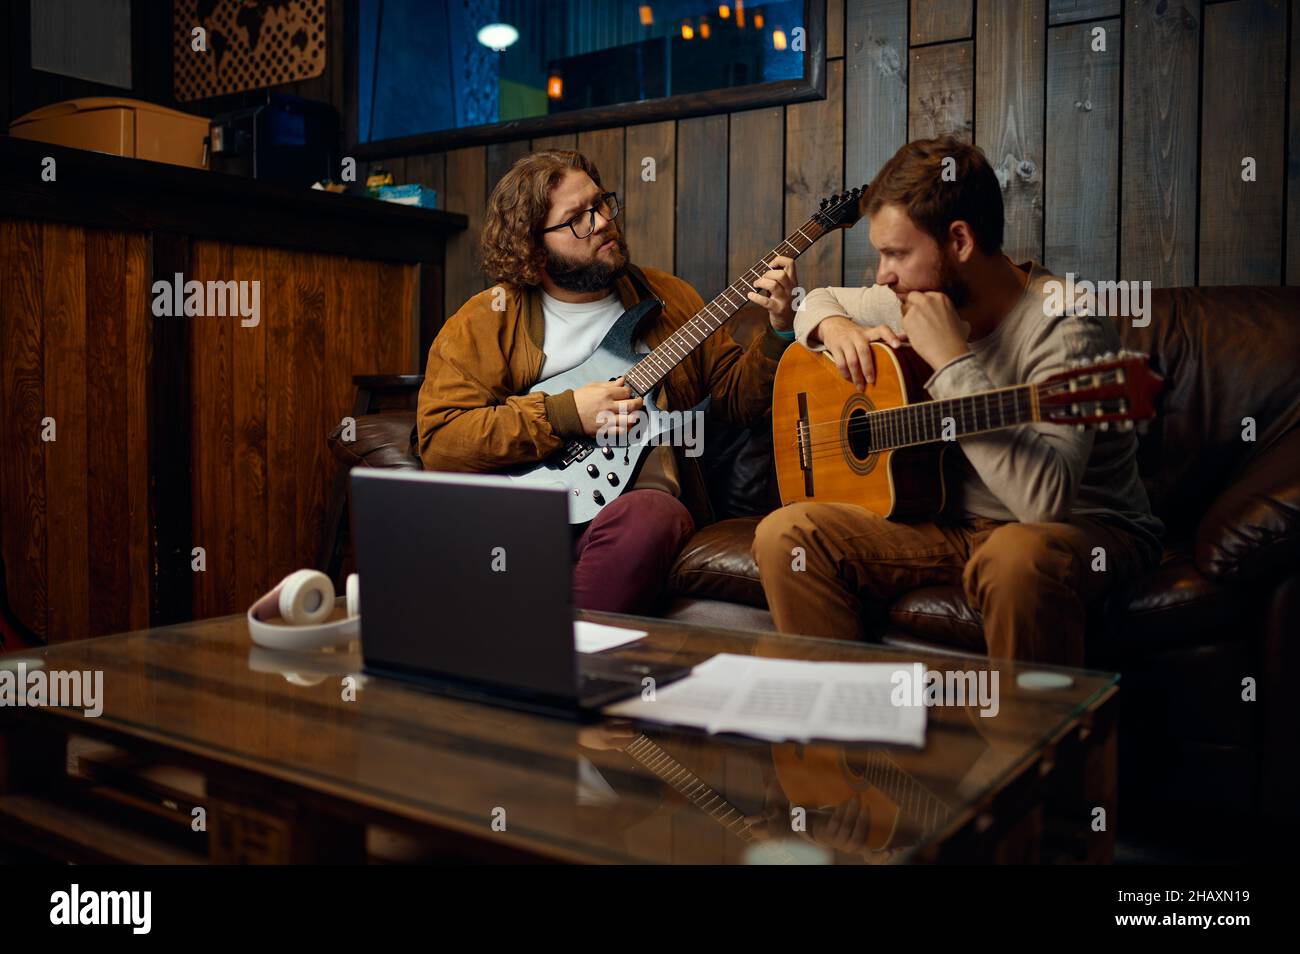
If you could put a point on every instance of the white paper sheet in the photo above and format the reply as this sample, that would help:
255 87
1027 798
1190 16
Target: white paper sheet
597 637
787 700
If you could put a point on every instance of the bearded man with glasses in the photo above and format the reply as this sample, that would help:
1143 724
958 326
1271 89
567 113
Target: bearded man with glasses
552 243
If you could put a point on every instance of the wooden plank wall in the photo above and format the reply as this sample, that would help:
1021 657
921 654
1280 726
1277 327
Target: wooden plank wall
74 427
75 333
1111 125
267 395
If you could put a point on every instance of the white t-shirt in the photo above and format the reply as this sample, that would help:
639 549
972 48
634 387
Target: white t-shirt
574 330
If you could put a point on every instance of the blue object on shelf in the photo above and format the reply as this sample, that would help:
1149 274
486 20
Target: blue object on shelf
412 194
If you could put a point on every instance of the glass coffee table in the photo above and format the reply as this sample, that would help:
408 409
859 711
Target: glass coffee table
209 748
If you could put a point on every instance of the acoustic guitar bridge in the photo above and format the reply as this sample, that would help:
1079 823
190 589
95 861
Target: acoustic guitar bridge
803 436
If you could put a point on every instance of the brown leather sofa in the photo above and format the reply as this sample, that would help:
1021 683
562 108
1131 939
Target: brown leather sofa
1223 606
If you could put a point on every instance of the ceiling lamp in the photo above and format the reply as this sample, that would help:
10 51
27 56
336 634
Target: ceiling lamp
498 36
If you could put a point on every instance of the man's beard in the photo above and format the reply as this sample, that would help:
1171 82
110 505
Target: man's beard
592 276
952 284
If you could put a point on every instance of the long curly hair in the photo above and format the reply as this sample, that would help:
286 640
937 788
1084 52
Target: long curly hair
510 248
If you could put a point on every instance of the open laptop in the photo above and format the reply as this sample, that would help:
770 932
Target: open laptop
466 589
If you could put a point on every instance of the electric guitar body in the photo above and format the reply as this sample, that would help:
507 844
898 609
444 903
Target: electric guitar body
595 472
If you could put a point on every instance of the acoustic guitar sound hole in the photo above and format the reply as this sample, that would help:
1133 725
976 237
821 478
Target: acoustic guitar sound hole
859 436
855 435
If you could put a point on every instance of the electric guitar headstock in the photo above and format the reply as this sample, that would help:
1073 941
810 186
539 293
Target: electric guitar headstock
841 210
1112 388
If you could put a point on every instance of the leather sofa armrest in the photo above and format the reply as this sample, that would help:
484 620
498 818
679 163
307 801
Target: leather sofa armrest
381 440
1252 531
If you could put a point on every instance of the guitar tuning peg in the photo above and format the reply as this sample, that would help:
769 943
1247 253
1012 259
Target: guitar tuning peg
1080 428
1126 425
823 205
1104 425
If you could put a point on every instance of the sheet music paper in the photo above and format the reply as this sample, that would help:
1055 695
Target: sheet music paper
787 700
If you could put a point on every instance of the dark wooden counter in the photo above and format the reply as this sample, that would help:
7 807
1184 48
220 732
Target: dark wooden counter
173 434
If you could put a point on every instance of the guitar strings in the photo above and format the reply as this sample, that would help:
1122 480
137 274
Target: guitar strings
900 427
1014 391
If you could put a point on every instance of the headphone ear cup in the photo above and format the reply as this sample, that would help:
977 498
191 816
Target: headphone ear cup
306 598
354 595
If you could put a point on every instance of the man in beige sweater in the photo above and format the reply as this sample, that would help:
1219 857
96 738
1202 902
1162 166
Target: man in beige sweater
1041 520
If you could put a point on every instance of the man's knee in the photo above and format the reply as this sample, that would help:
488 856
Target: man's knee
655 515
1017 555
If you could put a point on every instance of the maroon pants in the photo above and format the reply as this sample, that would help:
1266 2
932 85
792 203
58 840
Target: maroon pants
622 558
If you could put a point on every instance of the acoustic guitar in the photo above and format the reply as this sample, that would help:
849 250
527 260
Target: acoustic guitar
595 473
883 449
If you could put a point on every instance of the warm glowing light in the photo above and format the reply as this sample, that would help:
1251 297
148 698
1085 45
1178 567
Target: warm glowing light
724 11
758 21
778 39
555 87
688 32
498 36
647 15
704 29
740 13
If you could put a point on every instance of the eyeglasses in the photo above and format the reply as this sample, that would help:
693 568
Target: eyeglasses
607 206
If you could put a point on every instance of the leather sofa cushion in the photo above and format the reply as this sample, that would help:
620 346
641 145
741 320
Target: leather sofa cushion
1253 528
1221 350
382 440
718 563
1172 607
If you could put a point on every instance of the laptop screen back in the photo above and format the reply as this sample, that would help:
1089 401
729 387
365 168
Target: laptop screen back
465 578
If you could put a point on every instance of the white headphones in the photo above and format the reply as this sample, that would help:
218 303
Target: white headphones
299 613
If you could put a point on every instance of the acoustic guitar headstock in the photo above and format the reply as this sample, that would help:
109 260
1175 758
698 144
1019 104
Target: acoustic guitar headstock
1119 388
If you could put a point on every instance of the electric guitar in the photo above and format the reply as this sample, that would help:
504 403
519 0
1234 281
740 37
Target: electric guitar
595 472
883 449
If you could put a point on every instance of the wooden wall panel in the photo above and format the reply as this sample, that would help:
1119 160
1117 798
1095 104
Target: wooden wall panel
1009 90
281 413
63 290
649 220
466 193
604 147
1071 11
563 141
814 168
1158 160
941 91
429 169
136 298
1082 172
702 204
835 28
108 517
212 371
934 21
501 156
875 111
23 518
267 395
1241 221
248 409
755 186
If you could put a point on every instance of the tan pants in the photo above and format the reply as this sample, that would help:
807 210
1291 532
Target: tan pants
1031 582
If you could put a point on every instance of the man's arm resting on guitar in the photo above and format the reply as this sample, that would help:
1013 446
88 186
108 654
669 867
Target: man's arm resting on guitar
869 307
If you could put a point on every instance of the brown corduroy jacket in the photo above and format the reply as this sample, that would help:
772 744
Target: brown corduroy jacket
475 413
